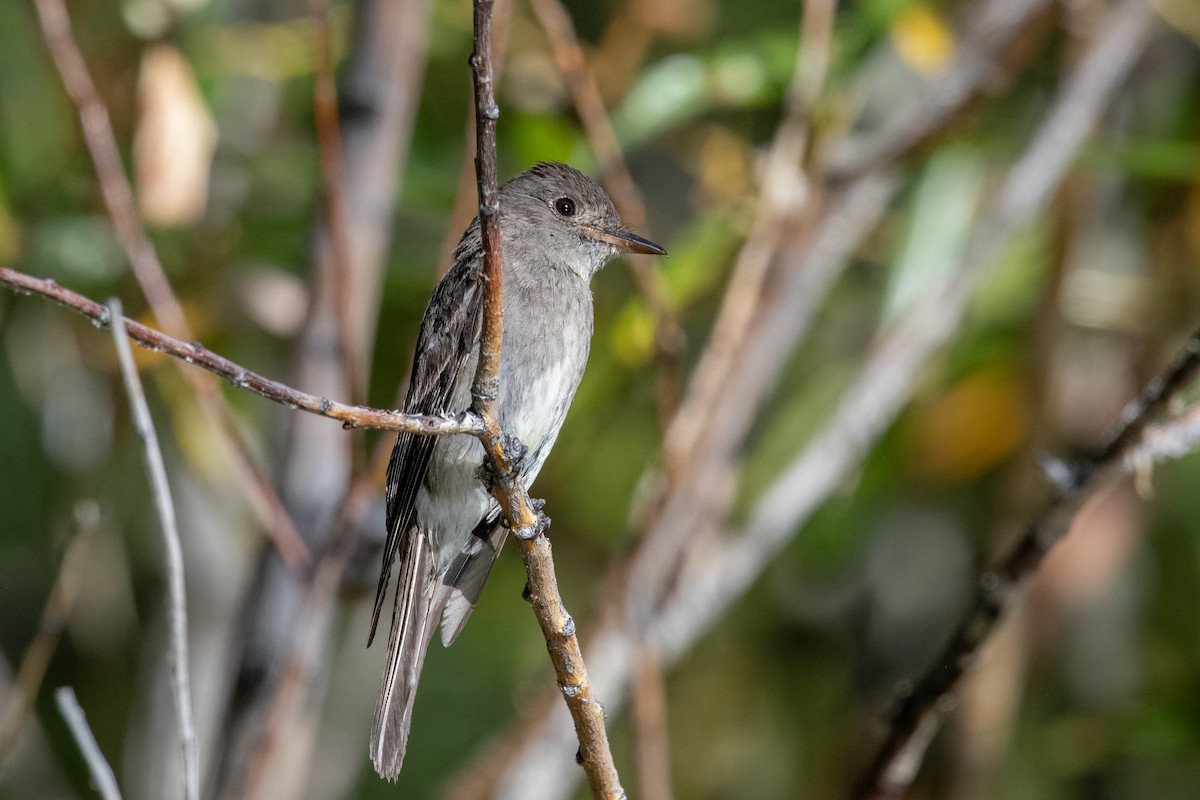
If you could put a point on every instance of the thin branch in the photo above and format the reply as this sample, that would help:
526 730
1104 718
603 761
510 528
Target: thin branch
329 148
784 199
240 377
102 774
148 270
918 712
58 607
173 553
649 708
558 627
114 186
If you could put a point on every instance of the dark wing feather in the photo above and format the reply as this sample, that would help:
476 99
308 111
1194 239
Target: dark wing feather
449 337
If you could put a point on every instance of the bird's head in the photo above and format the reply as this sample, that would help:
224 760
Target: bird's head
556 212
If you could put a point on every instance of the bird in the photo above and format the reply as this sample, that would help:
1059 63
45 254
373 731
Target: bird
558 229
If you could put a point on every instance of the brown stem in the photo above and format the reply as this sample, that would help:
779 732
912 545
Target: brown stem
194 353
329 147
557 626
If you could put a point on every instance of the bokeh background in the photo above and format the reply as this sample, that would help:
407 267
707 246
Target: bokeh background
1090 690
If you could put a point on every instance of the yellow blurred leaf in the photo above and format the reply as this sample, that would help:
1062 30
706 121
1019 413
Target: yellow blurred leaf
970 428
922 39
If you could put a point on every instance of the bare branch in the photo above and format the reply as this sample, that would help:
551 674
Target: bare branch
102 774
558 627
783 202
918 712
240 377
172 550
118 199
329 148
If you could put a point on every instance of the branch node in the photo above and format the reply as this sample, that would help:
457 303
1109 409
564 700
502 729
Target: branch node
1066 476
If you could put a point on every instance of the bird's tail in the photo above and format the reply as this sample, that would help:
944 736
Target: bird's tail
415 616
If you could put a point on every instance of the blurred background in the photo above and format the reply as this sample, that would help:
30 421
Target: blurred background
823 189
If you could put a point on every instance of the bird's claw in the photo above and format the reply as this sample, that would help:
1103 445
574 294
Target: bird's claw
515 450
541 522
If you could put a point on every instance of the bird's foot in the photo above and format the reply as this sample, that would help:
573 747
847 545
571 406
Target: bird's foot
541 522
515 450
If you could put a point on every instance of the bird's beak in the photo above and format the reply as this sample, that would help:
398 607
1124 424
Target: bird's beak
625 241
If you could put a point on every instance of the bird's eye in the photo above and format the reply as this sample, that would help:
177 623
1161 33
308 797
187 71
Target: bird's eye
565 206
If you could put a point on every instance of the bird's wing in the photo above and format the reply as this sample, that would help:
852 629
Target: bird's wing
463 580
448 340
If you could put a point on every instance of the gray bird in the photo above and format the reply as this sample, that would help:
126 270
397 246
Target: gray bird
559 228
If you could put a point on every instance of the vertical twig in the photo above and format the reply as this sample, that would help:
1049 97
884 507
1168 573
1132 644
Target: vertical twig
102 774
649 706
173 552
329 147
487 377
466 193
557 626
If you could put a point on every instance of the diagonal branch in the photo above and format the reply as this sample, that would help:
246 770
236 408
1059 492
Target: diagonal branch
557 625
72 712
148 270
240 377
597 126
918 714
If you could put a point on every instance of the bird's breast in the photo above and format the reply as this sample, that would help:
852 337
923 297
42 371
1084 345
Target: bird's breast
544 352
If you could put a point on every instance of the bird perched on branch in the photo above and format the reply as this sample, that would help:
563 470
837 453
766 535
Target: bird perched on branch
558 229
